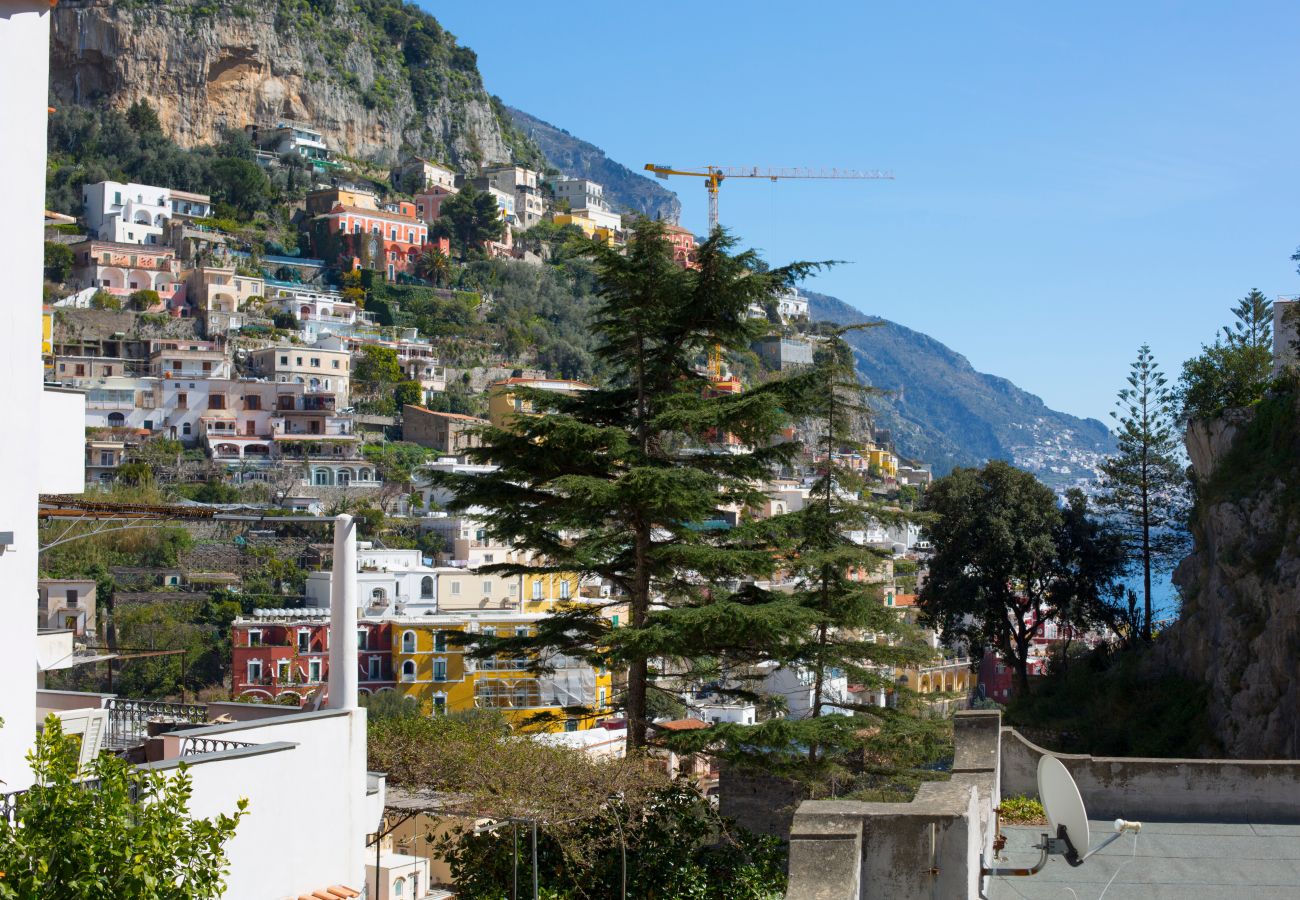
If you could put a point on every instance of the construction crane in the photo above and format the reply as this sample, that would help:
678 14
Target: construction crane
714 176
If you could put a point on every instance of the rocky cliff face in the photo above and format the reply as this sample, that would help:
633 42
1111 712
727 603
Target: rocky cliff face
374 88
1240 623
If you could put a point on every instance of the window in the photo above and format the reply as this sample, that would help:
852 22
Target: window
108 370
455 587
376 669
106 456
487 587
439 704
217 401
254 671
254 637
488 558
313 671
282 671
252 401
315 361
537 589
378 595
399 887
564 589
207 365
408 641
613 621
440 670
298 361
182 400
601 703
284 360
408 670
363 639
186 429
570 724
304 641
334 363
426 587
71 597
439 642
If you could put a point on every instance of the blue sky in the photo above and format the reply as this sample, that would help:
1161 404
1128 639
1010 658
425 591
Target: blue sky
1072 179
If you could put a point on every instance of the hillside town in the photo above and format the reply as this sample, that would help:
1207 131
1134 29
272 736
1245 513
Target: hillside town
415 506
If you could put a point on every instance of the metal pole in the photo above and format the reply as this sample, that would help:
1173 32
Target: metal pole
514 844
534 859
622 845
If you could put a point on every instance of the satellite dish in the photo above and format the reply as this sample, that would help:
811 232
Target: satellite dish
1063 805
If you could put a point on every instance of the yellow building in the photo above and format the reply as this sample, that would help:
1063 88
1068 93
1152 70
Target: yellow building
505 402
886 461
433 671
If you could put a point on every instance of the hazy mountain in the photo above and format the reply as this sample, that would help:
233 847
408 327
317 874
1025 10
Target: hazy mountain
940 410
624 189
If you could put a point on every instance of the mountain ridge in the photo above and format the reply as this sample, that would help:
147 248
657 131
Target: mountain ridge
626 189
941 410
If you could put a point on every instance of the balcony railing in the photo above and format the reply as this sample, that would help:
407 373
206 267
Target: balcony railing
194 746
128 720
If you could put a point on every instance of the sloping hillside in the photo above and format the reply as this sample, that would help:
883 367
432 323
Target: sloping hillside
941 410
625 189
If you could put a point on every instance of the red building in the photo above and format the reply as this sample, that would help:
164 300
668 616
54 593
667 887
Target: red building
285 653
388 240
683 245
997 680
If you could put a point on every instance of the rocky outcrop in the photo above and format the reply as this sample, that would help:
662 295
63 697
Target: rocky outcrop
1240 623
206 65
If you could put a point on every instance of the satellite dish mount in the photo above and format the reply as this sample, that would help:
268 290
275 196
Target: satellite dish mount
1068 820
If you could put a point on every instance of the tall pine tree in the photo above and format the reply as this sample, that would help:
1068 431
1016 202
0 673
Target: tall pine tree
626 482
1143 486
853 631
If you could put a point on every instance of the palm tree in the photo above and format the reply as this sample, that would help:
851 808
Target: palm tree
433 265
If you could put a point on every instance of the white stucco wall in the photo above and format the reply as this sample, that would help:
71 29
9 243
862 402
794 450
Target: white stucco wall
308 813
61 460
24 72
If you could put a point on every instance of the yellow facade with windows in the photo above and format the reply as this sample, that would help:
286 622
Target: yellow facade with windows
432 670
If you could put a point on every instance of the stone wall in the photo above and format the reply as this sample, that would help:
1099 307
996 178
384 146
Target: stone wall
761 803
930 847
1220 790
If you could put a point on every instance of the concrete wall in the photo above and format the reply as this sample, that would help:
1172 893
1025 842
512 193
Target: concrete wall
930 847
1219 790
309 810
24 72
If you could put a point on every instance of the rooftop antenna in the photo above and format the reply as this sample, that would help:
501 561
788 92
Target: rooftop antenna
1067 819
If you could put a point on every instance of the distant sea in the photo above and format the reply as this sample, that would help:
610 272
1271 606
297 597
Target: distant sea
1164 596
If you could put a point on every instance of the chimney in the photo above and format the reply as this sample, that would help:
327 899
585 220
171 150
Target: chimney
343 617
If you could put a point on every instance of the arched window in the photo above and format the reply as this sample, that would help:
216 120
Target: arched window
323 477
399 887
408 642
116 420
408 670
426 587
363 475
345 476
185 429
439 642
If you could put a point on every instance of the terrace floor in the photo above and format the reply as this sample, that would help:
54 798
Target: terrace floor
1183 860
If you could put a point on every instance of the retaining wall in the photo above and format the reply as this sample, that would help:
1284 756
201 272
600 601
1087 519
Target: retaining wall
1217 790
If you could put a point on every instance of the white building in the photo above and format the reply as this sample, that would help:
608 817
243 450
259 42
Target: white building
54 462
798 687
580 193
127 213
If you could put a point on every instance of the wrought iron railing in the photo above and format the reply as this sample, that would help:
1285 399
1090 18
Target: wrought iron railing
128 720
194 746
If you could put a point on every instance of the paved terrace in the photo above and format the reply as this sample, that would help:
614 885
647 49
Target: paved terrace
1170 861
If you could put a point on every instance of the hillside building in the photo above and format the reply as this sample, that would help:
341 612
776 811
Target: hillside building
450 434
